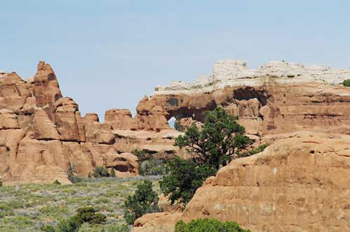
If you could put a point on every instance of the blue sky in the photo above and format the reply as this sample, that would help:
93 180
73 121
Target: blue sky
110 53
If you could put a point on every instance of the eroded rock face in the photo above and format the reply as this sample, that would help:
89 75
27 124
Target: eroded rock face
296 184
46 89
279 97
120 119
42 134
149 117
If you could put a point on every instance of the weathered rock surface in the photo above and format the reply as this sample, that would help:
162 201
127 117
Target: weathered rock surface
42 134
296 184
279 97
125 164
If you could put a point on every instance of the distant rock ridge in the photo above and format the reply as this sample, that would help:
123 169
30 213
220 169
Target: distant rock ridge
231 73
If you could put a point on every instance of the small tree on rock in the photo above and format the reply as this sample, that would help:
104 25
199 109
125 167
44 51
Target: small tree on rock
216 143
213 146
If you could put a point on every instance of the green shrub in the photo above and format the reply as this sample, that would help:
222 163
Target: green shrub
0 183
178 126
72 224
153 166
258 149
48 228
72 177
98 218
113 173
57 182
184 178
205 225
141 154
144 200
119 228
346 83
100 172
88 214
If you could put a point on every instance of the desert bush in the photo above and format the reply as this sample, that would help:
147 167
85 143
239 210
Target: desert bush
144 200
72 177
178 126
153 166
100 172
258 149
48 228
141 154
98 218
88 214
120 228
57 182
71 224
204 225
346 83
113 173
183 179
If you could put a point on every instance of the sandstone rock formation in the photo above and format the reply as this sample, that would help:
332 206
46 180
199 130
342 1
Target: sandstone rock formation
296 184
43 136
279 97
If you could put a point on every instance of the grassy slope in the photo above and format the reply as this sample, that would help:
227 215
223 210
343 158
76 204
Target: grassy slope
28 207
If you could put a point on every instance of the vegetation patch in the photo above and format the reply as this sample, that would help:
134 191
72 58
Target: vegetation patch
205 225
144 200
346 83
43 207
